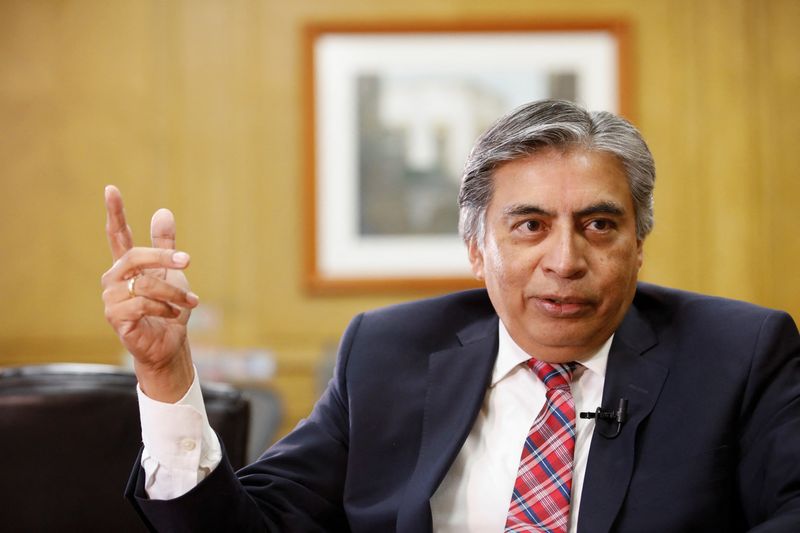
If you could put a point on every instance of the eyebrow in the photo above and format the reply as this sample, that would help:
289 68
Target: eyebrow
520 210
605 207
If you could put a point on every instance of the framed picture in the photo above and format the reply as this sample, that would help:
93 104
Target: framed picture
392 112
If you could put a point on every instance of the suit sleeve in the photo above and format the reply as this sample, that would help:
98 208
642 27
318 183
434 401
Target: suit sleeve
296 486
769 464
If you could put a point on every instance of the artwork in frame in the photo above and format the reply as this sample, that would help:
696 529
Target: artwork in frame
392 112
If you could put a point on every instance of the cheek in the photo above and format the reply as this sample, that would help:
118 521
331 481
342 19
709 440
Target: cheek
503 265
512 284
621 266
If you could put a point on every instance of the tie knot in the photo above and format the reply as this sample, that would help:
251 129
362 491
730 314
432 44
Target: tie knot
553 375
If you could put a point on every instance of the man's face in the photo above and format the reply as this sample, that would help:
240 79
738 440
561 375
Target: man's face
560 256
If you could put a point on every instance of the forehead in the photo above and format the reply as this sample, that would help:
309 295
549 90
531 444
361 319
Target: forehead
562 179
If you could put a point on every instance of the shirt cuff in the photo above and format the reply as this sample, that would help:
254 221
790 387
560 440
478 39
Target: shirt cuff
180 448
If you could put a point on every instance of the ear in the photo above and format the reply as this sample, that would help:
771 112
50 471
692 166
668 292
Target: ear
639 253
475 258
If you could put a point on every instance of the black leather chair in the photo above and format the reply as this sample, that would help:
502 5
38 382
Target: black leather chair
266 415
69 434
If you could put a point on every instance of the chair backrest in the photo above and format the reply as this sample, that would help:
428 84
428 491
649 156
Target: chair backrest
69 434
266 415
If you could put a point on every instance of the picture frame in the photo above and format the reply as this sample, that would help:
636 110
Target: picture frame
391 111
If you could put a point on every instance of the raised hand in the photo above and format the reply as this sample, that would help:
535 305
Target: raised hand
148 302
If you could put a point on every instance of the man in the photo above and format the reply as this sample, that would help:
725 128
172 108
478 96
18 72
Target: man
460 413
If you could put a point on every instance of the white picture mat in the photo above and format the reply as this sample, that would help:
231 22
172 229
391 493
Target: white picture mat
339 59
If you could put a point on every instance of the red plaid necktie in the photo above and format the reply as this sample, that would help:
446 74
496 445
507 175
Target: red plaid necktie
542 491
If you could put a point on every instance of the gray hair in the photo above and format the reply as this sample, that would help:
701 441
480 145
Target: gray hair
559 124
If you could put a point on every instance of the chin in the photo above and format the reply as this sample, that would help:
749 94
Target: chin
564 332
567 342
558 353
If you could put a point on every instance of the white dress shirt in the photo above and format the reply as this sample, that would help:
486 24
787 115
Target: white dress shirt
476 492
181 449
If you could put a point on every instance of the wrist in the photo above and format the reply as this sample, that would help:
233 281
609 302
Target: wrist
167 383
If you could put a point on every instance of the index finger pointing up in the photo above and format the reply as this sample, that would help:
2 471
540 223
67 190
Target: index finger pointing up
120 238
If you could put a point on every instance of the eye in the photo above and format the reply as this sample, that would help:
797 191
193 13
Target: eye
601 224
532 226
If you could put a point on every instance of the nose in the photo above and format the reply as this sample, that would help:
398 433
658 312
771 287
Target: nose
564 254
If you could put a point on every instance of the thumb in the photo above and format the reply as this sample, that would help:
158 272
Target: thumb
162 229
162 234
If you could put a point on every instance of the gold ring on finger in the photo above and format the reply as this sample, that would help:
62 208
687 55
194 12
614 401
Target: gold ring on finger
132 286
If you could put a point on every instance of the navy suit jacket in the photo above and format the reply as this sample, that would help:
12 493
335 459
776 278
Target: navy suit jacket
712 442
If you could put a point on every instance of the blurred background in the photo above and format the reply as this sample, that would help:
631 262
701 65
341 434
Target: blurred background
198 105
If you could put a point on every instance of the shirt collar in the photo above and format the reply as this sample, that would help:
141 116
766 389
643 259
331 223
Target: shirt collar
510 355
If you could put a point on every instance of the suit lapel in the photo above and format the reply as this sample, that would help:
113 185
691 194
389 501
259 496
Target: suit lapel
610 465
456 385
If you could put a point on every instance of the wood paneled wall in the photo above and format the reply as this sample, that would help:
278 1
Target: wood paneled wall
196 105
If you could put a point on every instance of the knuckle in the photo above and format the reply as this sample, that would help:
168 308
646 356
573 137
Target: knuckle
129 256
140 308
144 283
119 265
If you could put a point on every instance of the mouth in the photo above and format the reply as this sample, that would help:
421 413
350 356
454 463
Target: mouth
563 306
